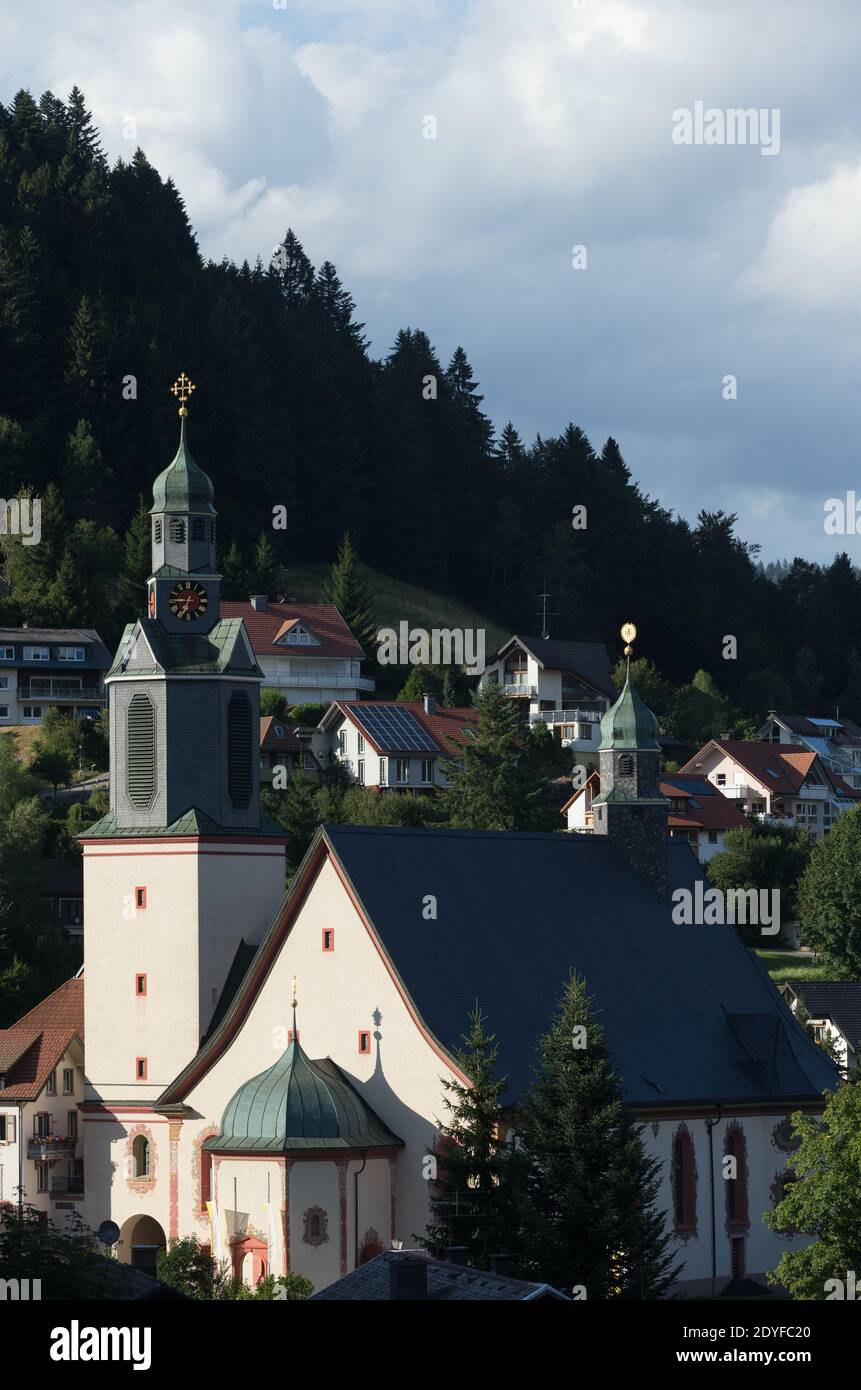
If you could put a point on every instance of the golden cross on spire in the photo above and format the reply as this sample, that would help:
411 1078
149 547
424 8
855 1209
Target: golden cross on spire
629 632
182 389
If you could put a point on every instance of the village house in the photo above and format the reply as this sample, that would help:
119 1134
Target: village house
305 650
287 746
566 685
396 747
780 783
45 666
836 741
834 1007
697 812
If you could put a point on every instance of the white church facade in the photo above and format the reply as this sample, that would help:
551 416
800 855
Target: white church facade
293 1137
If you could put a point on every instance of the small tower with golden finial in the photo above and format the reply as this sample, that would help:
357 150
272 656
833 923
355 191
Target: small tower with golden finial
630 808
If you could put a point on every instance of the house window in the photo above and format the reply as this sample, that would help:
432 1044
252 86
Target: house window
70 654
2 1129
712 837
342 741
42 1177
140 1157
7 653
4 682
140 1068
72 1124
720 779
140 986
140 897
328 938
361 748
403 769
427 770
585 732
684 1183
360 772
51 1088
41 1125
4 711
68 1081
382 772
32 711
37 653
177 529
364 1041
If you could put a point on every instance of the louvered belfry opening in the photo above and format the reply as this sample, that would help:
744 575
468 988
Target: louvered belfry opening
141 750
239 749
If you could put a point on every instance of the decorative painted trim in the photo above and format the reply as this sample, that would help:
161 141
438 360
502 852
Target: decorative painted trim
342 1204
686 1230
307 1237
142 1186
738 1225
174 1132
788 1145
210 1132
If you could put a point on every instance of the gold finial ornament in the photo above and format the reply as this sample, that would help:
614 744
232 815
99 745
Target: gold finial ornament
295 1000
628 633
182 389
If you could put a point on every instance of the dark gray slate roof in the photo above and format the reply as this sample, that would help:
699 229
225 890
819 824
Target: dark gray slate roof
589 660
446 1283
839 1000
690 1013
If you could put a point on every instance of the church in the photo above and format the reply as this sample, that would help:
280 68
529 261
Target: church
264 1070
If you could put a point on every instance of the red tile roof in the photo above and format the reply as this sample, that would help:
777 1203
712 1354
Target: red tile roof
270 738
790 762
321 619
37 1043
713 811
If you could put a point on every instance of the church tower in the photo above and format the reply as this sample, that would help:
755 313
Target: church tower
181 870
629 807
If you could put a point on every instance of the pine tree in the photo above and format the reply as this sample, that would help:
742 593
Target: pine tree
495 784
235 583
348 589
137 559
85 476
475 1194
415 686
266 575
589 1218
449 697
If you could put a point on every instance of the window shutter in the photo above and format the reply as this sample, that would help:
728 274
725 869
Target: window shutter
239 749
141 750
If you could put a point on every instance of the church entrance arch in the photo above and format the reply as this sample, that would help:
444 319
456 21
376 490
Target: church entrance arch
249 1259
141 1238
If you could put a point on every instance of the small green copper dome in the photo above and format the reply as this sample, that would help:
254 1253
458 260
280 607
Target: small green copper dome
182 487
629 723
300 1104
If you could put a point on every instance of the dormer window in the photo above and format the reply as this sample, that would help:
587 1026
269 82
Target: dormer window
177 530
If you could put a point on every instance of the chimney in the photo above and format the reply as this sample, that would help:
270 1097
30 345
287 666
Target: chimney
408 1278
457 1254
430 704
258 602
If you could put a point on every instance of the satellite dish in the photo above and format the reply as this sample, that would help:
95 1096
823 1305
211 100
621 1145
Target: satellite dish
109 1233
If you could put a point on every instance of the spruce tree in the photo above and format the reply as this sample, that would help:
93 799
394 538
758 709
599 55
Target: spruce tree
589 1219
348 590
474 1196
265 576
449 697
415 686
137 559
494 784
235 583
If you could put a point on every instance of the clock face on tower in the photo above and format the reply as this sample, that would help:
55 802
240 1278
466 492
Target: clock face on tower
188 601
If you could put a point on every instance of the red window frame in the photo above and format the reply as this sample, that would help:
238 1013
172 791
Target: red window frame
330 933
140 896
140 993
364 1035
141 1075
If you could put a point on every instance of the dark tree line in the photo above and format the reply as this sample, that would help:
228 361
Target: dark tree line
101 280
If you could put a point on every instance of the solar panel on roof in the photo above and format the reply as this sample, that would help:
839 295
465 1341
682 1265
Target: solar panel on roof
394 729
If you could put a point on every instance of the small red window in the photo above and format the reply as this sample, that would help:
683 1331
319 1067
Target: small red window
328 938
364 1040
140 985
140 897
140 1068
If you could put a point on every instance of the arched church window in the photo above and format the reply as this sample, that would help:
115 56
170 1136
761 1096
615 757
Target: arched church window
140 1157
156 530
735 1148
177 529
626 765
684 1183
240 749
197 529
141 750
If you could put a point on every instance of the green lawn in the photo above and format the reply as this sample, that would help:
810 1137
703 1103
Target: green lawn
395 601
782 966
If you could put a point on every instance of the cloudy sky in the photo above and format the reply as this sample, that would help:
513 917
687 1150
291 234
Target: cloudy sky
554 129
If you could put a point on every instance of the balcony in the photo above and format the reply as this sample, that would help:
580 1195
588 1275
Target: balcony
68 1185
276 680
50 1146
566 716
59 690
520 689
